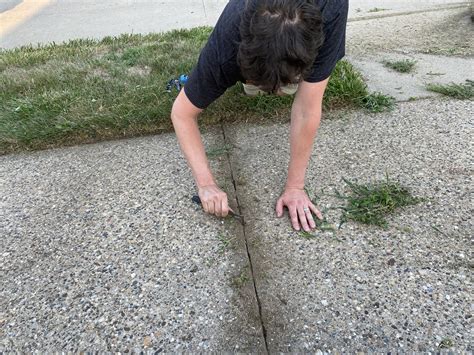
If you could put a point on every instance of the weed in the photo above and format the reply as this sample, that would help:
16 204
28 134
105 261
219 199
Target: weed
369 204
210 262
377 102
239 281
225 243
218 151
463 91
446 343
322 225
307 235
377 9
346 87
401 66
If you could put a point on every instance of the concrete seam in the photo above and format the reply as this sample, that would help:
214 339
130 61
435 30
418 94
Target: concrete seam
404 13
264 330
204 8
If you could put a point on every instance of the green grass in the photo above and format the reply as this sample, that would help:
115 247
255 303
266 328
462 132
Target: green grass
401 66
225 243
446 343
377 9
346 88
371 203
463 91
218 151
87 90
239 281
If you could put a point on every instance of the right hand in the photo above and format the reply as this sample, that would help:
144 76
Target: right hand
214 200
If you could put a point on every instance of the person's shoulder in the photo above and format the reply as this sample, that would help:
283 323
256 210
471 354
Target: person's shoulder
231 15
226 34
330 9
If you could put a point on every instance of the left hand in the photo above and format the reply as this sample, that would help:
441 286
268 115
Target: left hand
300 207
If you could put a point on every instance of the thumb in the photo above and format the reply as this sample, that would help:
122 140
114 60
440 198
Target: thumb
279 207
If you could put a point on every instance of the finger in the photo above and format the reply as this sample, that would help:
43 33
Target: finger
294 218
309 217
218 208
210 206
303 221
279 207
224 207
315 211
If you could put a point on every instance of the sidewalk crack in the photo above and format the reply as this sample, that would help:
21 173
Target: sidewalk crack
246 242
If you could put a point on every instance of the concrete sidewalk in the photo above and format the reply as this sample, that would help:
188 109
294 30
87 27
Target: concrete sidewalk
103 250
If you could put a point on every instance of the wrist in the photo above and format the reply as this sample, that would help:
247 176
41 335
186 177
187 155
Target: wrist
203 181
294 187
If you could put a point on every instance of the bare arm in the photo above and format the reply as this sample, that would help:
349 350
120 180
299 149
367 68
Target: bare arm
305 119
184 116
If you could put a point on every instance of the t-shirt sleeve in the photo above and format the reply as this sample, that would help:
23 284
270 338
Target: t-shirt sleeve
208 81
333 48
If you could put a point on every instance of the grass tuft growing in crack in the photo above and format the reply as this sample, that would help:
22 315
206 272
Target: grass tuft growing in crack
446 343
371 203
240 280
377 9
401 66
377 102
217 151
346 87
225 243
464 91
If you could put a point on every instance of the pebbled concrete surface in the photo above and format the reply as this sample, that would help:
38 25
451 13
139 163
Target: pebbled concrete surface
445 32
407 288
404 86
102 249
440 42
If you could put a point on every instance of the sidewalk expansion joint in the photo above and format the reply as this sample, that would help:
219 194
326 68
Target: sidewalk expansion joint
246 242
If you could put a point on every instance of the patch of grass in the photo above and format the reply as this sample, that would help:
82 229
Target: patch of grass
347 88
89 90
401 66
240 280
446 343
463 91
377 9
371 203
218 150
225 243
377 102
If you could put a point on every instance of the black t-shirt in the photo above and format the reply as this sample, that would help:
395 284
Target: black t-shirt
217 67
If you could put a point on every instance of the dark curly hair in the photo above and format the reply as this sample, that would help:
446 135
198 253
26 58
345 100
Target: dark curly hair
280 40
